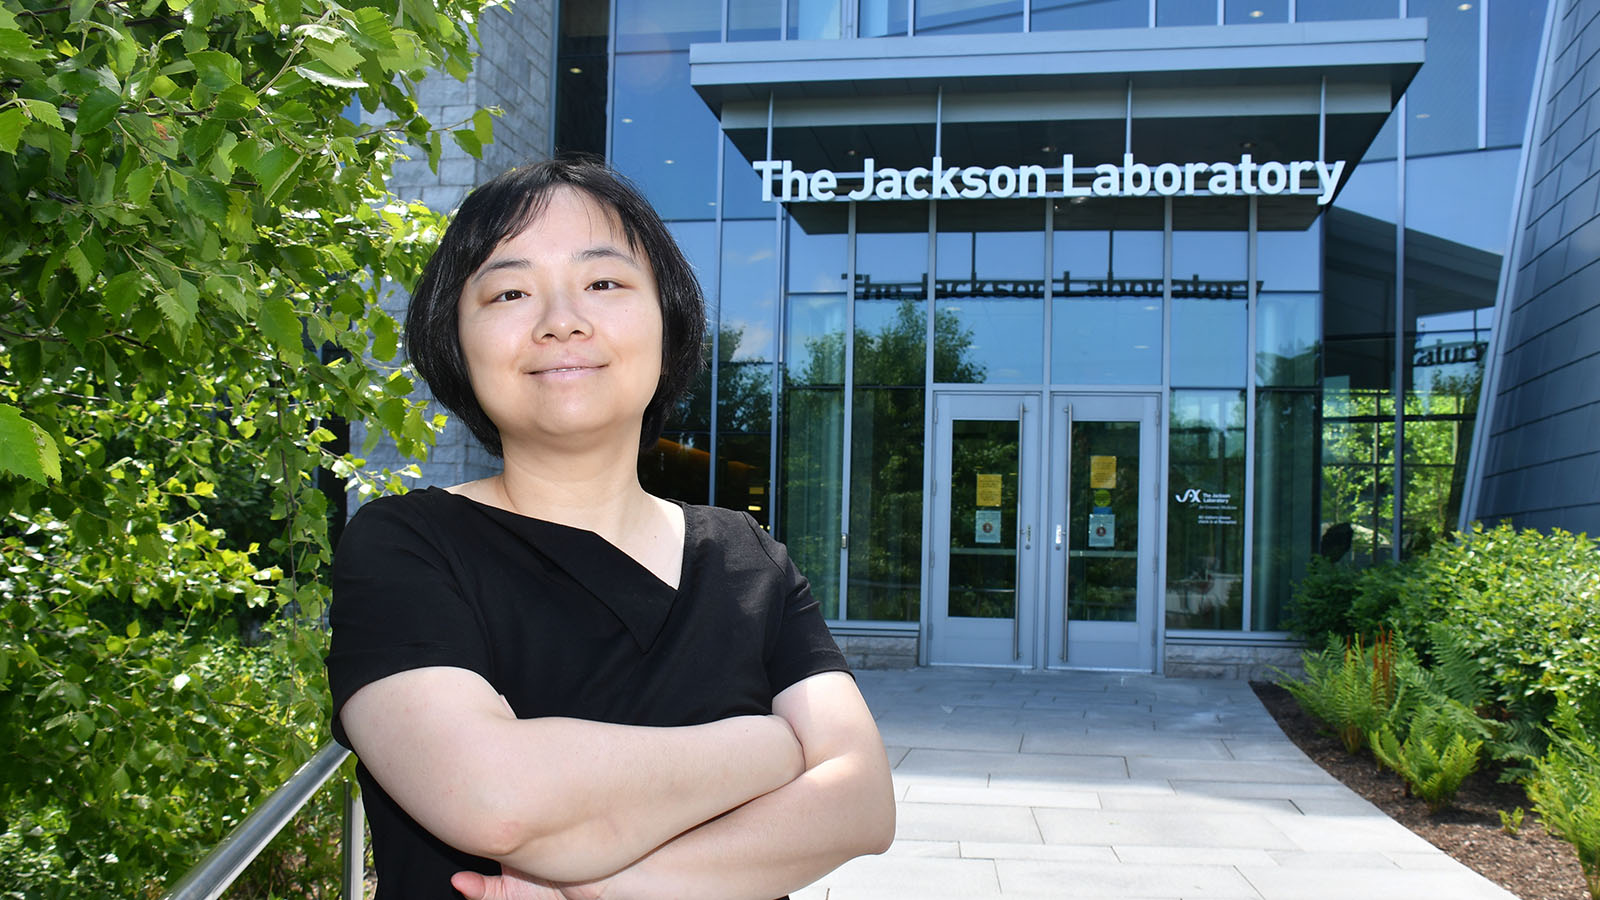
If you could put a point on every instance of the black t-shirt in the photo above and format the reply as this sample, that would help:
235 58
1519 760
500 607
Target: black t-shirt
562 623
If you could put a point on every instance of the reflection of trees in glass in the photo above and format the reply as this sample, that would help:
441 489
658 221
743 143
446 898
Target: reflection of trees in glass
1358 469
1438 436
983 575
1205 535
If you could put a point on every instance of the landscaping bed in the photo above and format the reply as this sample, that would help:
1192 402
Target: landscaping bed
1533 865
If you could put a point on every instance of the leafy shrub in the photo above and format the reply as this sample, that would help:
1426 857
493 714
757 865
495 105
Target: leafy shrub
1524 607
1350 686
1341 600
1436 755
1565 790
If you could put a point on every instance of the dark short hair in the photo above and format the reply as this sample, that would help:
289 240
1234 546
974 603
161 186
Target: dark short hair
500 209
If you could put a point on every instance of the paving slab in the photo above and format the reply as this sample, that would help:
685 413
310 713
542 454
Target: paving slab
1113 786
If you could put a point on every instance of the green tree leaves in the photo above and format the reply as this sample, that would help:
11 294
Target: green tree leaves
193 231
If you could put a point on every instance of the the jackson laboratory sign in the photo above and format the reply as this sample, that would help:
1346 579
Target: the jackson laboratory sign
781 181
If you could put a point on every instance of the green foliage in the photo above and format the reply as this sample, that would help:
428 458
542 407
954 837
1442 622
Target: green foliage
1511 822
1351 687
1436 755
1524 609
193 236
1565 790
1339 600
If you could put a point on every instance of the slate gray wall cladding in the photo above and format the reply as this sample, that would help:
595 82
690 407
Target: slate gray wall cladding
1542 468
512 71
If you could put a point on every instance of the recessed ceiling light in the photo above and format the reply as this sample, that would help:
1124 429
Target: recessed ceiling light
1047 148
850 152
1255 13
1464 7
669 162
626 120
1422 115
576 70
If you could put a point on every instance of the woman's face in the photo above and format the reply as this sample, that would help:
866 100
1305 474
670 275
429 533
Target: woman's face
561 330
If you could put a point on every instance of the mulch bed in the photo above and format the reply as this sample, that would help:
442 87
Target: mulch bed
1533 865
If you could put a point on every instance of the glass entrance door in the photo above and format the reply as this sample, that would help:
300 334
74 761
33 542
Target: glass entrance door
985 502
1102 569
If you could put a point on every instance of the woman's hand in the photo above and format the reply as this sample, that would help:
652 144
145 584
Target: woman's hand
511 884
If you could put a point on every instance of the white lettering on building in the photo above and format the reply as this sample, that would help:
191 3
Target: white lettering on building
781 181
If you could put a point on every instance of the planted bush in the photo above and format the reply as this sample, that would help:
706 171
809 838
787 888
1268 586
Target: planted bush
1565 790
1350 686
1339 600
1436 756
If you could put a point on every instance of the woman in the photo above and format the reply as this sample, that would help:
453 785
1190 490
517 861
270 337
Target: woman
551 673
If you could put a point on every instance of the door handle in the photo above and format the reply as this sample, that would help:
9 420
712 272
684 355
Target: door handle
1060 535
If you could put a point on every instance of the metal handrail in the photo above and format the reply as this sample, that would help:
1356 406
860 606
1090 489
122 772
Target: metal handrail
218 869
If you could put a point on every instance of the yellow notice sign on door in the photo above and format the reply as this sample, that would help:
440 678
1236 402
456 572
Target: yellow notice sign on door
988 490
1102 472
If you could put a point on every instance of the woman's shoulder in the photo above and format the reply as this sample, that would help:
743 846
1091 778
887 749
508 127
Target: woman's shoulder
415 516
734 529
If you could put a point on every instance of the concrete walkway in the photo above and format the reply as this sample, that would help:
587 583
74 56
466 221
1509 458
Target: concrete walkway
1035 785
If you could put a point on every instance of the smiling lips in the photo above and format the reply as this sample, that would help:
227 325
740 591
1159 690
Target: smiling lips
565 369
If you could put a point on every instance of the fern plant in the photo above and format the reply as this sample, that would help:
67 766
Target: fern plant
1565 790
1352 687
1436 755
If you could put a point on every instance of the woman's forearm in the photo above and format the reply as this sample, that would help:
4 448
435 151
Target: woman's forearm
564 799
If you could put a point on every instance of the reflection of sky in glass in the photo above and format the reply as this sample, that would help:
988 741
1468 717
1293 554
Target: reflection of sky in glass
664 136
892 258
817 262
1288 331
1186 12
1105 340
1290 260
812 318
1213 255
1053 15
1090 254
1208 342
1465 197
698 241
749 288
1252 12
1005 343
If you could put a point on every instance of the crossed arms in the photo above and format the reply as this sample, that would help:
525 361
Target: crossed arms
749 807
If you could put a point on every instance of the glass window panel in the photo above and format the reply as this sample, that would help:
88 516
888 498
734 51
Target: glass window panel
881 18
741 186
1357 513
748 312
1186 12
1205 511
754 20
811 478
1106 313
679 465
1514 33
983 563
1063 15
887 425
1209 308
698 241
968 16
1286 518
744 437
1255 12
989 308
1337 10
653 25
580 121
812 20
1103 577
1442 101
1288 339
817 262
664 136
1289 260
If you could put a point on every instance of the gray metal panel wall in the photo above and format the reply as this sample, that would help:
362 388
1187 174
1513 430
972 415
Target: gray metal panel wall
1542 462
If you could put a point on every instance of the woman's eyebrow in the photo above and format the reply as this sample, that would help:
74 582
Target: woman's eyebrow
499 265
604 251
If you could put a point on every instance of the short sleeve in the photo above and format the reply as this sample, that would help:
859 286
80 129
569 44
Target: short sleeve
802 646
397 604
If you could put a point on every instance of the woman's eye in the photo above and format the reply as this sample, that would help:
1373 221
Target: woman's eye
509 295
604 284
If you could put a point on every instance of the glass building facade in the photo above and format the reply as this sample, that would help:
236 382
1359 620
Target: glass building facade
1042 423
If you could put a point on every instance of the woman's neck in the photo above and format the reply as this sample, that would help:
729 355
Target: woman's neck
596 491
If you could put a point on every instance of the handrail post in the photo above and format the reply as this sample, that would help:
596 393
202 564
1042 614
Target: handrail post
354 843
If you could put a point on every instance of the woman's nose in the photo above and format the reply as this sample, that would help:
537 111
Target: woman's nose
562 317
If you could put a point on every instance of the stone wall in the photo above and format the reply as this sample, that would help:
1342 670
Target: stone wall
1541 468
513 71
1232 661
879 651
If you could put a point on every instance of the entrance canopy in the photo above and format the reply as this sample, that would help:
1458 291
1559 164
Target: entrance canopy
1245 95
